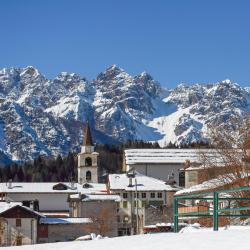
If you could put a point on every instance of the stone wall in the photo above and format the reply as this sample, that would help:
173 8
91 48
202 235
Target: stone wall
103 214
65 232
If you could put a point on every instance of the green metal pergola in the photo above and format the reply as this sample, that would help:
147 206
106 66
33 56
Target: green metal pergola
216 212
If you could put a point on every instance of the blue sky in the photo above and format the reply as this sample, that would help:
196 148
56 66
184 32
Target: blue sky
174 40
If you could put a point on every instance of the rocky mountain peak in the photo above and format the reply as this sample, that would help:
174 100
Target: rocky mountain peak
41 116
29 70
111 73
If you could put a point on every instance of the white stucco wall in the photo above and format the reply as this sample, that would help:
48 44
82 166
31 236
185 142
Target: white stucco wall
28 231
158 171
47 201
82 169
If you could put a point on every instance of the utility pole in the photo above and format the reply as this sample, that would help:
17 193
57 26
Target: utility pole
137 219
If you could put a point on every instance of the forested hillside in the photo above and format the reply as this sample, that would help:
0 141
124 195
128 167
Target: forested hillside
50 169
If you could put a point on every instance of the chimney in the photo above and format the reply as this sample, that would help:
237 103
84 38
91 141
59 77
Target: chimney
130 182
72 185
10 183
130 176
187 164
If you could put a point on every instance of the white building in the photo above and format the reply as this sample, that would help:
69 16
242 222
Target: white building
18 224
47 197
143 200
163 164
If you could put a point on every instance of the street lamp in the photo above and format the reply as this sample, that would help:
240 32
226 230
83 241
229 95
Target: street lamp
132 174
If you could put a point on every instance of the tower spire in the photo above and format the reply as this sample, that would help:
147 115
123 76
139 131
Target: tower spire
87 138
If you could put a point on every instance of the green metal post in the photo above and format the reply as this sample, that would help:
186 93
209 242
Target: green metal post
176 216
215 212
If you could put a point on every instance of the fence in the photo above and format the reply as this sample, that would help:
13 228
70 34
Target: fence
215 212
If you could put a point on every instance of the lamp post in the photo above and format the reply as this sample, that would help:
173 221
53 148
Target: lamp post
132 174
136 202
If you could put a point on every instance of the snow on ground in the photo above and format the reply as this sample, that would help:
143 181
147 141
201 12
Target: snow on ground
234 239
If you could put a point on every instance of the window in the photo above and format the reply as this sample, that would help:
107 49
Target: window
125 204
26 203
137 195
88 176
182 179
152 195
118 219
159 195
144 195
36 205
125 195
87 185
156 203
18 223
136 202
88 161
60 186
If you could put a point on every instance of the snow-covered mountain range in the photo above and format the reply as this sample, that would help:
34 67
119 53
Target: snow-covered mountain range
42 116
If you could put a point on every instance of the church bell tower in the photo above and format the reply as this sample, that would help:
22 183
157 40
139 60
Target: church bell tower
87 160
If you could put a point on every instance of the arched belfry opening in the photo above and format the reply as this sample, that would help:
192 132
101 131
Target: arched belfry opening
88 162
88 176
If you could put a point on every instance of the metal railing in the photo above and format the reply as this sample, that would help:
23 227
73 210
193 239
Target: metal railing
215 212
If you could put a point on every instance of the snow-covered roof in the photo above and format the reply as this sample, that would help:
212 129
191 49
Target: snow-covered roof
36 187
49 187
208 185
5 206
168 156
55 214
211 184
164 225
144 183
102 197
92 188
65 221
95 197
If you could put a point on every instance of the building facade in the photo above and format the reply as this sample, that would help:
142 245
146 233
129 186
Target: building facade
144 200
163 164
45 197
100 208
18 224
63 229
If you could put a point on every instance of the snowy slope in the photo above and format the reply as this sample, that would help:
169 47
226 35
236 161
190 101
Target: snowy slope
42 116
237 238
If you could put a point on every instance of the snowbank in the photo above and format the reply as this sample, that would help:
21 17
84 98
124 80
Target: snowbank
207 240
